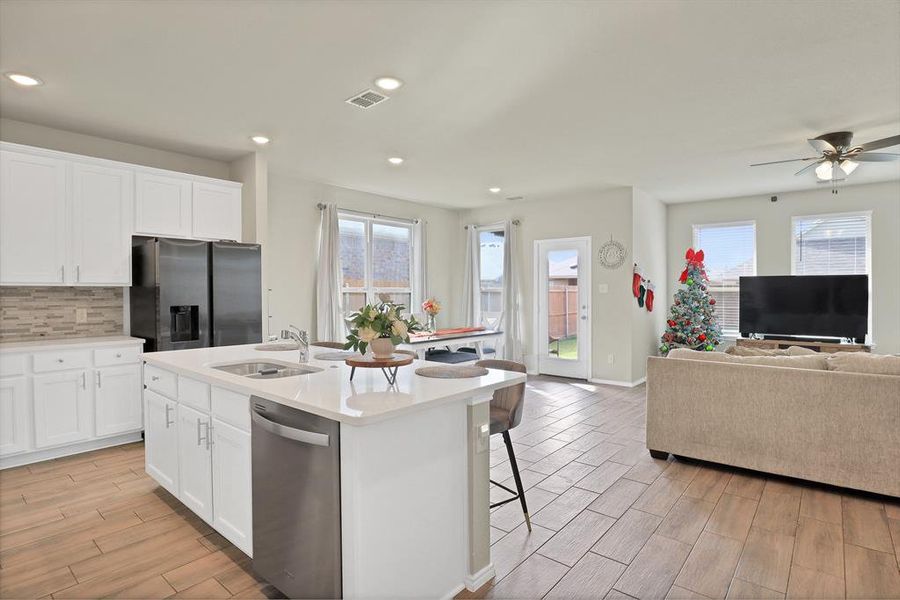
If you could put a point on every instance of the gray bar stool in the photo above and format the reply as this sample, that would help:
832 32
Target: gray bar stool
506 412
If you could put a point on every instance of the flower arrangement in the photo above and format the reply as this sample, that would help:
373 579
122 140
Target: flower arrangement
431 307
382 320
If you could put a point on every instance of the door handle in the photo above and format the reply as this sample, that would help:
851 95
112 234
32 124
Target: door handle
99 383
201 438
62 273
84 380
168 423
77 272
291 433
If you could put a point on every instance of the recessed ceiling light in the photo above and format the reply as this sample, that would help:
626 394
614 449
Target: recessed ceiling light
388 83
395 160
22 79
494 190
260 139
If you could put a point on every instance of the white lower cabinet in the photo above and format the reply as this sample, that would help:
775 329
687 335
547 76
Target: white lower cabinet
14 418
117 408
204 461
161 440
195 461
231 478
62 408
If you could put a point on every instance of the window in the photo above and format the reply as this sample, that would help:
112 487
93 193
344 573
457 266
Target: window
729 251
491 244
831 244
835 244
376 258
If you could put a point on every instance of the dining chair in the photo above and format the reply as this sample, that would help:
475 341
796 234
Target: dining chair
507 405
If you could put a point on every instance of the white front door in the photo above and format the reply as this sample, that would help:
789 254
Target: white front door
563 306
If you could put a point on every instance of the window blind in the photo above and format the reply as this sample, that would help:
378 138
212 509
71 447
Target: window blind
729 252
831 244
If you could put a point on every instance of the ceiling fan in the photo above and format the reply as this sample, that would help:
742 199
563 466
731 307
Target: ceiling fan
837 158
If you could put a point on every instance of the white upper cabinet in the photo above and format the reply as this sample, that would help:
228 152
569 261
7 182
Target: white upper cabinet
102 198
162 205
217 211
32 219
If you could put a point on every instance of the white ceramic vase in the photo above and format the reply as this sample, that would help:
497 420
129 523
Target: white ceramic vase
382 347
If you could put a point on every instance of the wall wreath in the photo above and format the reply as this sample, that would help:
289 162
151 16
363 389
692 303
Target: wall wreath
612 254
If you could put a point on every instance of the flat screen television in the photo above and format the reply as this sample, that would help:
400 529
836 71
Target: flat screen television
832 306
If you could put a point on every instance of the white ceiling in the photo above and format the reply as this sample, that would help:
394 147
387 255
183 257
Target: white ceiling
539 98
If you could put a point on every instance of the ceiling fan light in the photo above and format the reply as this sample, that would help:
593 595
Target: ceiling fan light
825 171
848 166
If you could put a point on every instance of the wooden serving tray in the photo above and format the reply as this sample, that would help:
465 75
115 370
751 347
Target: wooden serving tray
370 362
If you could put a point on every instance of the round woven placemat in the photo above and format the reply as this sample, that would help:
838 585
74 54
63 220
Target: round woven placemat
338 355
452 372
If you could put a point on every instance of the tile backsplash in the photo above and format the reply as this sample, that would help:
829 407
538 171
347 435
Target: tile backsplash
35 313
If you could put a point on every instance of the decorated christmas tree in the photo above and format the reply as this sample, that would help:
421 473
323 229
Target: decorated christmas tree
692 317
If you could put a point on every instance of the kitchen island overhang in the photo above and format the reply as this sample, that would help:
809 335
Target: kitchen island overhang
414 491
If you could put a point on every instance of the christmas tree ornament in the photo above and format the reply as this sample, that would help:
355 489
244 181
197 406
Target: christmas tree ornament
710 347
690 281
712 301
702 337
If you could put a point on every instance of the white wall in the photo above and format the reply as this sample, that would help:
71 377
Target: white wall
649 233
293 240
599 214
30 134
773 239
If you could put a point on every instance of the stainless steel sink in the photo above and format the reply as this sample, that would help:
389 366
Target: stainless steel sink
266 369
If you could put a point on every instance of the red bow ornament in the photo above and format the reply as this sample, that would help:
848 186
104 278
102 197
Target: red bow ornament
693 258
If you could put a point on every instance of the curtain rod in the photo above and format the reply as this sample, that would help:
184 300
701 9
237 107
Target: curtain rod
514 222
322 206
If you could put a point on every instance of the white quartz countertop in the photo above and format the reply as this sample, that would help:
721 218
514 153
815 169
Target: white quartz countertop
330 393
74 342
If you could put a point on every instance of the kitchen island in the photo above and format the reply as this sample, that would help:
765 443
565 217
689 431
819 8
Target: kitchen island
401 512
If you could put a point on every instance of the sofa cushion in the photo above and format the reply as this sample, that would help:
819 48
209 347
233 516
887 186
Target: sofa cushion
816 361
864 362
751 351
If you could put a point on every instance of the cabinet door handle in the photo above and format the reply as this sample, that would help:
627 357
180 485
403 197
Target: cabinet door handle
154 378
118 355
99 383
59 360
62 273
77 272
83 380
209 441
168 423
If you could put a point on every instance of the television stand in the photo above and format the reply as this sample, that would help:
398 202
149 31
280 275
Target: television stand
770 344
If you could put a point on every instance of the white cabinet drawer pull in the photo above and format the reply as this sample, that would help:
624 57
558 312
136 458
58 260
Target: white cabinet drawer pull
168 422
99 382
59 360
154 378
118 355
83 380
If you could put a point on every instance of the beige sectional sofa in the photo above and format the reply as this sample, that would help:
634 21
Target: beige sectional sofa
820 418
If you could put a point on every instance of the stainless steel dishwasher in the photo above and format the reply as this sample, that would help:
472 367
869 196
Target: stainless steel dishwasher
296 500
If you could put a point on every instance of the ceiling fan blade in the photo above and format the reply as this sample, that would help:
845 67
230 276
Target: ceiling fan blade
822 146
875 157
809 166
882 143
777 162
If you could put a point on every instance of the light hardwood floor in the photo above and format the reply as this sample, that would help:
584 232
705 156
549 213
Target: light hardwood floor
609 521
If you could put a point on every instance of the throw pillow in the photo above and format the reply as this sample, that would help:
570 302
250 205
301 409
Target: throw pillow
817 362
699 355
864 362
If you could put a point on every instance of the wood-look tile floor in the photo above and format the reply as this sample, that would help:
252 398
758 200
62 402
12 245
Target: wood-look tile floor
95 526
609 521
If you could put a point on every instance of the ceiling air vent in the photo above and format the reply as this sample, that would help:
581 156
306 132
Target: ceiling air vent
367 99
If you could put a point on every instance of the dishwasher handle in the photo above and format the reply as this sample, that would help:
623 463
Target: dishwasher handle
298 435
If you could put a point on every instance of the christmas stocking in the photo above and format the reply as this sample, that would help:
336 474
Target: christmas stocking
641 291
636 282
649 302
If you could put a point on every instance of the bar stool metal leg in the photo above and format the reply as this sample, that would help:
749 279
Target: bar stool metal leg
517 477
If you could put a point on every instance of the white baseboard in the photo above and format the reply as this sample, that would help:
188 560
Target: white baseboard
27 458
476 580
628 384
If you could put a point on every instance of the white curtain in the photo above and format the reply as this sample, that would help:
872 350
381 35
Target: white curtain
472 280
511 319
329 314
419 278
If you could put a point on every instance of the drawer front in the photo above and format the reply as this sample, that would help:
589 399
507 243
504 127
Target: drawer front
193 393
12 364
161 381
61 360
231 407
107 357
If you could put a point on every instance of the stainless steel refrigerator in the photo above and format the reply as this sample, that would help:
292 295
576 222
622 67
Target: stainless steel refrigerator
194 294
